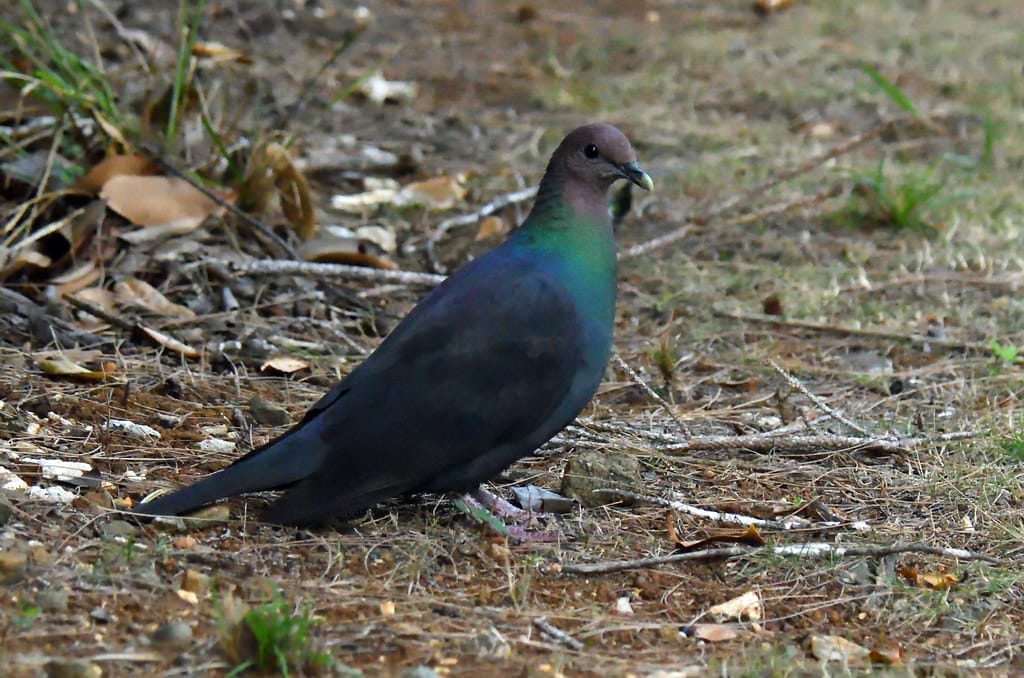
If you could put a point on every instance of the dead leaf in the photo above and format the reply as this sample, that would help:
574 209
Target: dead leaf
134 292
772 305
337 250
891 655
170 343
219 53
100 297
713 633
62 367
76 279
188 596
96 178
153 201
769 6
748 535
293 190
491 227
438 193
185 543
745 607
284 365
837 649
939 581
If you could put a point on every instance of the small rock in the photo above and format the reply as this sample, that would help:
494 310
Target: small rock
266 414
173 635
72 668
52 600
13 565
216 445
168 420
102 614
51 495
419 671
118 528
39 406
130 428
592 470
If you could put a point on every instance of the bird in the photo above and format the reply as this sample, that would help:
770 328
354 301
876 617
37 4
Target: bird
486 368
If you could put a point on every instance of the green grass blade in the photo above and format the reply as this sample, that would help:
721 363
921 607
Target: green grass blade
890 90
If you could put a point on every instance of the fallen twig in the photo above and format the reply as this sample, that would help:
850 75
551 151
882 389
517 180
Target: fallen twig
650 392
821 404
484 210
852 331
734 518
138 331
317 269
812 550
823 442
545 627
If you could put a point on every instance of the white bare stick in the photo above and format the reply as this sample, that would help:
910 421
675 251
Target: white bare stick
735 518
316 269
651 393
821 404
811 550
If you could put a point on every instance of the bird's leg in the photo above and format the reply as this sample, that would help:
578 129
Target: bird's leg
491 509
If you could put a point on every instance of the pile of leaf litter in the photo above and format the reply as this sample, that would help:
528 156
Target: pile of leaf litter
192 255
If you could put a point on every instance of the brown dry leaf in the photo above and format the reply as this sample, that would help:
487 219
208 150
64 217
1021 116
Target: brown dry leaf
748 535
772 305
744 607
219 53
153 201
76 279
60 366
769 6
170 343
713 633
100 297
116 165
491 227
293 189
933 580
16 261
891 655
188 596
837 649
186 542
134 292
284 365
438 193
332 249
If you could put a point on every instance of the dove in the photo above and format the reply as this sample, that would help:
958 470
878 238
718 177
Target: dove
489 366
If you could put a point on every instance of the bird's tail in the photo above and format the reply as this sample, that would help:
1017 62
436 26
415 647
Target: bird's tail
271 467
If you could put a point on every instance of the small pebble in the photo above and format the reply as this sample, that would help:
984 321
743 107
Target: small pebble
173 634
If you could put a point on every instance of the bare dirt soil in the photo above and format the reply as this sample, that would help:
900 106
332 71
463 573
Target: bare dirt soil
895 316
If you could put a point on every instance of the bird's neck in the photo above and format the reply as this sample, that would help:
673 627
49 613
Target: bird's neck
574 234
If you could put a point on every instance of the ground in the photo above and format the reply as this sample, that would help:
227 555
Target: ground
862 305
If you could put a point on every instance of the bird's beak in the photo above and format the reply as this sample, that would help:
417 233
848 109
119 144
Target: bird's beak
632 172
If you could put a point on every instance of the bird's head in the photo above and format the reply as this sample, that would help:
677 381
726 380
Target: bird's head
599 154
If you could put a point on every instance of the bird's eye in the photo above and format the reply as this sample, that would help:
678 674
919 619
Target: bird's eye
591 151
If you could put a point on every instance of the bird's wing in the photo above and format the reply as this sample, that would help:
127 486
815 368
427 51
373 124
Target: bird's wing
478 375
